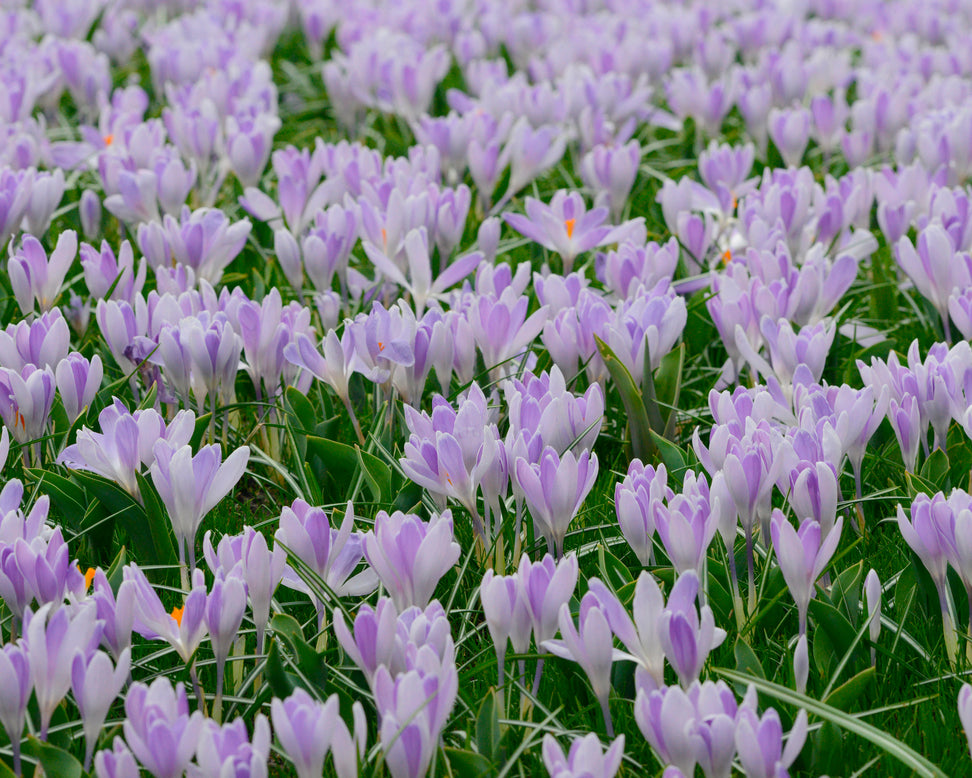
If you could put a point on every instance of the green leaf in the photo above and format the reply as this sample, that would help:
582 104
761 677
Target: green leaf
5 770
301 409
158 525
846 591
279 680
633 401
467 764
890 745
839 630
668 386
310 664
488 730
341 462
52 759
746 659
671 455
935 469
115 571
848 693
67 495
615 573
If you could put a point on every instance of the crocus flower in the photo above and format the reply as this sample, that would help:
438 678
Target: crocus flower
585 759
78 382
554 490
43 342
26 398
803 555
52 638
116 762
96 682
687 634
104 272
410 556
184 628
591 645
225 606
15 681
190 486
227 750
506 614
965 712
331 554
159 729
308 729
34 277
635 498
759 742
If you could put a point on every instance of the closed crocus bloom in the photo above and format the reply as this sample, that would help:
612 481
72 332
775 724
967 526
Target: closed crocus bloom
191 486
586 758
668 720
591 645
687 634
308 729
15 687
78 381
116 614
872 599
263 570
410 555
635 499
225 607
96 682
935 268
905 418
43 342
104 272
117 762
789 349
52 638
803 555
814 493
227 750
790 132
686 525
554 490
35 277
545 586
375 640
965 712
507 617
759 742
26 398
159 729
89 210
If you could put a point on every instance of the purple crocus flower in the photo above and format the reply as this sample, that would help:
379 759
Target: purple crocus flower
591 645
184 628
159 729
331 554
78 382
116 762
565 226
26 397
410 556
104 272
190 486
35 277
506 614
126 443
89 211
635 498
116 614
759 742
96 683
15 688
687 634
814 493
308 729
965 712
790 132
383 339
224 615
687 525
52 637
554 490
906 422
227 750
43 342
611 171
586 758
529 152
37 570
803 555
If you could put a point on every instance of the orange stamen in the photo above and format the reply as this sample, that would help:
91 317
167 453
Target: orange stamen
109 139
569 224
89 575
177 615
384 238
381 346
726 257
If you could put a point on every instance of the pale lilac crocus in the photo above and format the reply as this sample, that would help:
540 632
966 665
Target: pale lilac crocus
506 614
15 681
308 730
26 398
52 636
591 645
34 277
545 586
872 601
759 742
965 712
410 556
635 498
586 758
116 762
225 606
184 628
227 750
191 486
159 729
78 381
687 634
554 490
332 554
96 682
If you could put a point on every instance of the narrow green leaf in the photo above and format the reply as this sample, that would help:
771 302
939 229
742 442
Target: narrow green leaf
467 764
301 409
488 731
614 572
634 404
668 386
890 745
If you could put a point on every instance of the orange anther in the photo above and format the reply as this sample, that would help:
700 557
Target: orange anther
569 224
177 615
109 138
